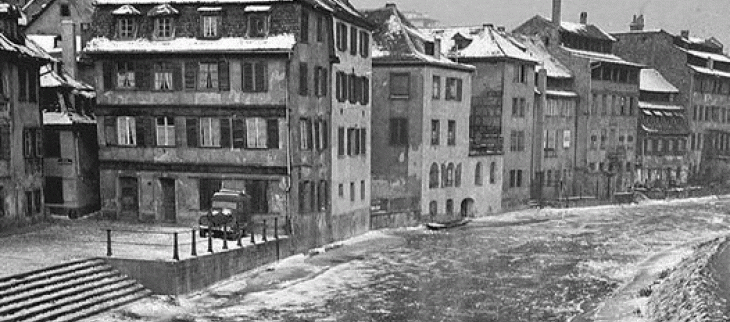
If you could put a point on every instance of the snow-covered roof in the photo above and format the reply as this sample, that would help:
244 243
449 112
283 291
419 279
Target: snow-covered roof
585 30
395 39
5 7
484 42
706 55
51 78
210 9
66 118
711 72
653 81
28 49
658 106
557 93
257 8
278 43
126 10
536 49
154 2
601 57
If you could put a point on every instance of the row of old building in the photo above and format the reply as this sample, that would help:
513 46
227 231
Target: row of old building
342 120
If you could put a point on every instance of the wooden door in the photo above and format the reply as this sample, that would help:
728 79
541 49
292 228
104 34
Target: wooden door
168 199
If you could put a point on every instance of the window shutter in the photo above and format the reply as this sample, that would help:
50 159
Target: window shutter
191 126
316 86
458 89
323 82
325 135
338 86
363 141
141 131
38 143
353 40
224 83
108 71
143 75
239 133
247 73
225 133
191 70
261 77
110 130
177 81
272 133
365 91
5 142
352 85
341 141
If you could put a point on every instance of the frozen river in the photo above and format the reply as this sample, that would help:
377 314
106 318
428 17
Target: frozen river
522 270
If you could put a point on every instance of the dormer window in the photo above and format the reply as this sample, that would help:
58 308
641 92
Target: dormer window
126 21
164 21
258 20
210 22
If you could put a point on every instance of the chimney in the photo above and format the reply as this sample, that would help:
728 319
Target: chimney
390 5
583 18
711 63
557 9
487 25
437 48
685 34
68 46
637 24
501 28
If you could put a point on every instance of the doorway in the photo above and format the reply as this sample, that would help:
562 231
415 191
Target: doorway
129 195
467 207
168 199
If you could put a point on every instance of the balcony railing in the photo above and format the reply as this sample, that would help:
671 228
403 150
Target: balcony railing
489 145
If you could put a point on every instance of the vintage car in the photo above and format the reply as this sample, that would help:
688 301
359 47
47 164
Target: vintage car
229 216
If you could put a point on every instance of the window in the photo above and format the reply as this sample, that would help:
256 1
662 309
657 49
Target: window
341 190
453 89
323 195
362 190
521 74
165 131
399 85
450 207
257 26
254 76
126 28
566 139
478 180
303 79
435 132
364 44
125 75
28 81
451 134
210 132
126 131
52 144
304 31
65 10
53 188
163 76
208 75
163 27
449 181
352 191
432 208
341 36
492 172
353 40
305 134
518 107
517 140
433 176
341 141
320 28
209 25
515 178
399 131
436 91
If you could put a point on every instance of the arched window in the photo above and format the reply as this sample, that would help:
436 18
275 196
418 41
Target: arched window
457 176
444 175
450 175
433 176
450 207
478 174
432 208
492 172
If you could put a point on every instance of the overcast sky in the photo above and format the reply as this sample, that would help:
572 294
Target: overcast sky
703 18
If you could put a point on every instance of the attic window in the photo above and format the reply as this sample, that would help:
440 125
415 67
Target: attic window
258 25
429 48
461 42
65 10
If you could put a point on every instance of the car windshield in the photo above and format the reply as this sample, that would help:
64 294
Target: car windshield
224 205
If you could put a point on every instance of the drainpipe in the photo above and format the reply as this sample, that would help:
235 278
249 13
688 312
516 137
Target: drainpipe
287 186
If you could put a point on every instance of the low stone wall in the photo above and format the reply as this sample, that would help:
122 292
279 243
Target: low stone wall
185 276
394 220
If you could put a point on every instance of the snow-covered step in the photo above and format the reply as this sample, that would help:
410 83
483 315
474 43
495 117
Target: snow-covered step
54 279
11 281
82 303
16 304
103 307
30 312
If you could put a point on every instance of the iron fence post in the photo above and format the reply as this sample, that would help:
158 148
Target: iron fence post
250 231
276 236
263 232
175 254
225 236
210 240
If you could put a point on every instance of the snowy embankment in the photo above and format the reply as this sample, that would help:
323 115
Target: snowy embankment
691 292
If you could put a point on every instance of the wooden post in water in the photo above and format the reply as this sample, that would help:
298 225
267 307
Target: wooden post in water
175 253
108 242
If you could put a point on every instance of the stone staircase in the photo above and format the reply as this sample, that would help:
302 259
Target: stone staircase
67 292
